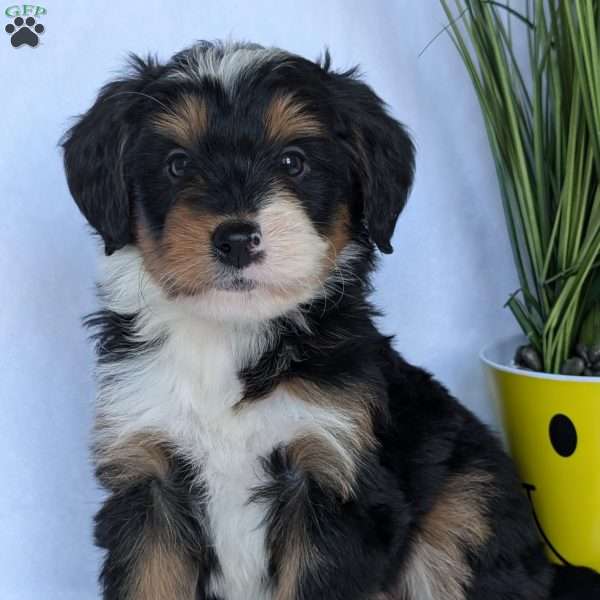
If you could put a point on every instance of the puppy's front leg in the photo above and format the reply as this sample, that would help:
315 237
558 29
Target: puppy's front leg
148 527
334 521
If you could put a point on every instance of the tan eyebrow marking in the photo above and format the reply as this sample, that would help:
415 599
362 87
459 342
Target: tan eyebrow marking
187 121
286 118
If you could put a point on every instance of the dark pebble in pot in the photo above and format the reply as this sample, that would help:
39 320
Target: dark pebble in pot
573 366
528 357
594 354
582 352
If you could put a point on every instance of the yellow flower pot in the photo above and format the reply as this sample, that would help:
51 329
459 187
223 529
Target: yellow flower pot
551 427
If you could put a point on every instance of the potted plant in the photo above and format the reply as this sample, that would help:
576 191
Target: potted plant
542 116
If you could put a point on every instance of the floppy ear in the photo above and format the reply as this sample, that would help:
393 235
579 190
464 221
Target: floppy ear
383 155
93 155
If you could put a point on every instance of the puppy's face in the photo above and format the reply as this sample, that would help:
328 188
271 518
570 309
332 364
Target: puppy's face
241 195
248 178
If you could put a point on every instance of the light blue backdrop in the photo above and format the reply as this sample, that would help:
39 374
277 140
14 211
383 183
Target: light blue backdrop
442 290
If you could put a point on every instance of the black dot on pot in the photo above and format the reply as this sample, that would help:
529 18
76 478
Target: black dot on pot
563 435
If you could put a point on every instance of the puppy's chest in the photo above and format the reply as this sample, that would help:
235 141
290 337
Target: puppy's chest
191 397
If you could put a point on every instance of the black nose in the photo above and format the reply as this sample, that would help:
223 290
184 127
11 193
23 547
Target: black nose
237 243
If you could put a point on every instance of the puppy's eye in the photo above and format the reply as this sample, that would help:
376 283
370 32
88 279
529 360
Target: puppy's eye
293 162
177 161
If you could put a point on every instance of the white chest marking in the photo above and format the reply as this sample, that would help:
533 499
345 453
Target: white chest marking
186 388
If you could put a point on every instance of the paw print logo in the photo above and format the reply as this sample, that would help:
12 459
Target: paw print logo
24 32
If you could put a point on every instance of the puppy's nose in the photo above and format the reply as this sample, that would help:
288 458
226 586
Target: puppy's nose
237 243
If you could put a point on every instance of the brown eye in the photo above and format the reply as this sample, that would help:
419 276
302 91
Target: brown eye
293 162
177 161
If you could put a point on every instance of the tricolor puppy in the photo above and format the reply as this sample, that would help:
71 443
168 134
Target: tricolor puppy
257 436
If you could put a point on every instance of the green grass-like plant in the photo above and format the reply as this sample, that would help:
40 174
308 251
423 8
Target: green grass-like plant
542 115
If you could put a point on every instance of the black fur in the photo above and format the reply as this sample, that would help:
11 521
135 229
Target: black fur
357 542
573 583
114 335
93 153
382 152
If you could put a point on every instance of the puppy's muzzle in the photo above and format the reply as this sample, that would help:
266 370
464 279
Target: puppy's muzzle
237 243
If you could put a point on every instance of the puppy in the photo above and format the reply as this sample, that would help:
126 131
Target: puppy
257 436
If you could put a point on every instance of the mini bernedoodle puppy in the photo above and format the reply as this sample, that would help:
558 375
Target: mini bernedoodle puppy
257 436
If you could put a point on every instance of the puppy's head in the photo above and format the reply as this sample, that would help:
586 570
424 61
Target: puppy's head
245 176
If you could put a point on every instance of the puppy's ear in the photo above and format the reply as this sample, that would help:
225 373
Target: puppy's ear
383 155
93 154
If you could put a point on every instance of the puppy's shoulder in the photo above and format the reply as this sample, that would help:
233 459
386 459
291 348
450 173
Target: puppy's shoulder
428 431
